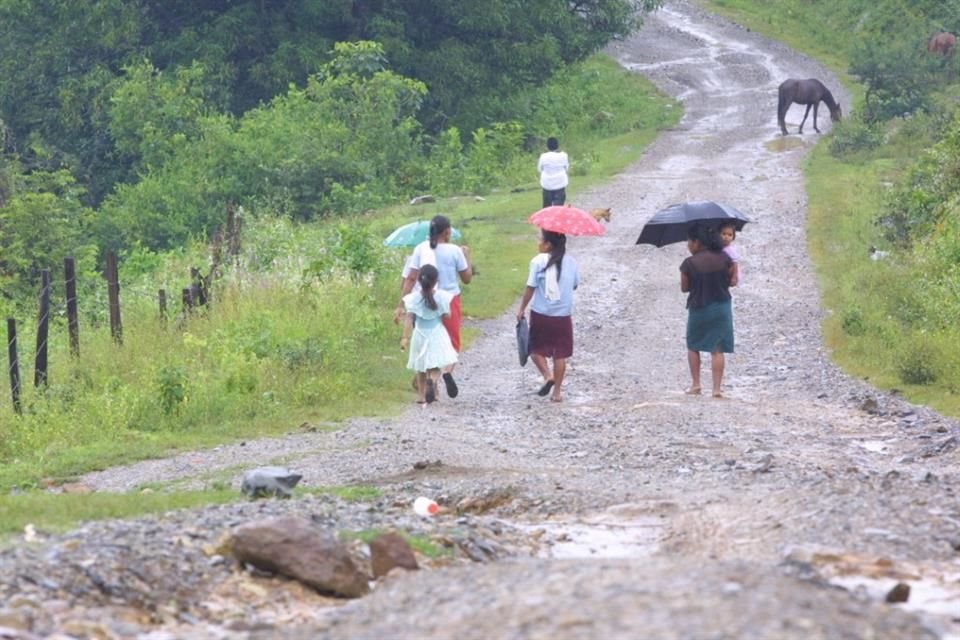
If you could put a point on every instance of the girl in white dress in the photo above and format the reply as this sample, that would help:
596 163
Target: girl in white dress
430 347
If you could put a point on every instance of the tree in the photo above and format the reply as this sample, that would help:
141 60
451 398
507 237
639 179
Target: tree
897 74
348 140
56 59
26 246
475 54
153 114
60 60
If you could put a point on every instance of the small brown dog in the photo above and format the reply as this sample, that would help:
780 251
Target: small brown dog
601 214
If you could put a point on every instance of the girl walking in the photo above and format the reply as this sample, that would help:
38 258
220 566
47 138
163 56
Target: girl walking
551 281
452 262
424 333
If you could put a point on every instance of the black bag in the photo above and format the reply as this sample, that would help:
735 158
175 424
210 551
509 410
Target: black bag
523 340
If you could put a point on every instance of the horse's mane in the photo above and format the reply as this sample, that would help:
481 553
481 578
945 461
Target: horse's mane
828 98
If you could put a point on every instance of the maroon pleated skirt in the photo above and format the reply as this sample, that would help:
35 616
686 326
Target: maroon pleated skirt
551 336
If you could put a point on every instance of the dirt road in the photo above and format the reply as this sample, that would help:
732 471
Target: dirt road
787 510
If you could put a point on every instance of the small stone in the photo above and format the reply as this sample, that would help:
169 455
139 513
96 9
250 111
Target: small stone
899 593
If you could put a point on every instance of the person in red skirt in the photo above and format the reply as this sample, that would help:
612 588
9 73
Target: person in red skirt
551 281
453 265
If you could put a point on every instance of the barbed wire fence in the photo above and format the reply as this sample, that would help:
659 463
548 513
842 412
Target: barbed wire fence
226 242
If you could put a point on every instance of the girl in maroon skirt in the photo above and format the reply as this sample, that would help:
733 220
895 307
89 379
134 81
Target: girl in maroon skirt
551 281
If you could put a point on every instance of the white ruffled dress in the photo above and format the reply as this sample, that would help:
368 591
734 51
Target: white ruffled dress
430 346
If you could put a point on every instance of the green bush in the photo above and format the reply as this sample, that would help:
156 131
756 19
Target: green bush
853 322
172 388
916 363
853 135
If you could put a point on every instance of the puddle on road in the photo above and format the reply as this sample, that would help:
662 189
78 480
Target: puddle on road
934 591
783 144
603 535
876 446
929 597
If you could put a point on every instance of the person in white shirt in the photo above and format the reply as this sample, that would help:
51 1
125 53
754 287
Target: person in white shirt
453 265
553 165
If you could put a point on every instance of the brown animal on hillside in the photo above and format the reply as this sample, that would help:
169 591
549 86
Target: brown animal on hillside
942 43
601 214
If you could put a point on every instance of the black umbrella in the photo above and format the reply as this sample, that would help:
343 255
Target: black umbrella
671 224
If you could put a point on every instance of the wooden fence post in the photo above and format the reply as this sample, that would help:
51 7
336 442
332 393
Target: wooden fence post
113 295
198 287
14 364
162 297
43 325
73 322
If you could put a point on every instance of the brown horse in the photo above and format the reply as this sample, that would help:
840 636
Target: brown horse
809 92
942 43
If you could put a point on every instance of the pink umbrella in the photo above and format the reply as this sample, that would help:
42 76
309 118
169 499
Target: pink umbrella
568 221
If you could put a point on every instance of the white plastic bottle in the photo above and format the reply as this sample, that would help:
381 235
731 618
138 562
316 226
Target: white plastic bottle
423 506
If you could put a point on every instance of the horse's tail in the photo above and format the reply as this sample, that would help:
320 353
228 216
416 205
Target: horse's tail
783 103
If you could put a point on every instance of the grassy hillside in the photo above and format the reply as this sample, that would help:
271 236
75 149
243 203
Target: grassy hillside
892 321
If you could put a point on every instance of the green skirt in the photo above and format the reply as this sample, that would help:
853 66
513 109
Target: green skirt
710 328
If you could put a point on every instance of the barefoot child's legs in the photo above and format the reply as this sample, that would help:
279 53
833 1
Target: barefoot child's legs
433 387
421 379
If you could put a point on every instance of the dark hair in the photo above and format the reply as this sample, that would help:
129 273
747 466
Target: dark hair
558 247
706 235
553 144
428 280
438 225
724 225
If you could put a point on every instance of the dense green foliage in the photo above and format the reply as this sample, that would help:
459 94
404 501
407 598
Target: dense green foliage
160 116
344 143
60 61
889 185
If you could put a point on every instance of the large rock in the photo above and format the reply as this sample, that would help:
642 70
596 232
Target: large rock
296 548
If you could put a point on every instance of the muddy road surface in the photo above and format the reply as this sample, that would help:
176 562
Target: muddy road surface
789 509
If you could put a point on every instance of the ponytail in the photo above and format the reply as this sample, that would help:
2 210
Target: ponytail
428 281
438 225
558 248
